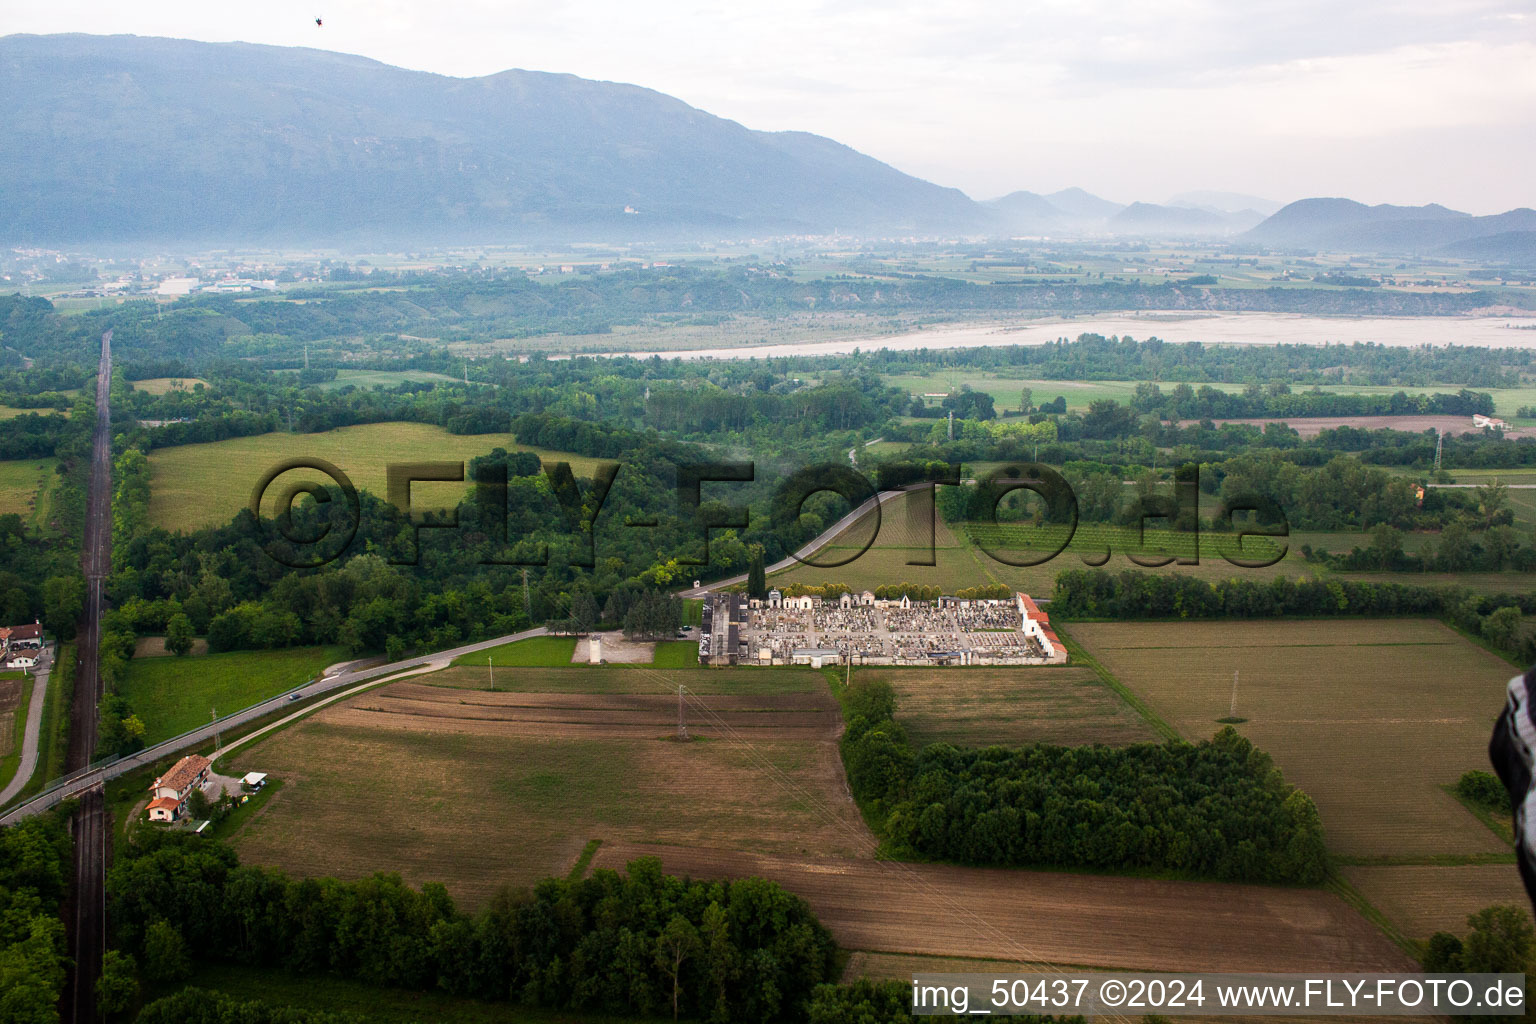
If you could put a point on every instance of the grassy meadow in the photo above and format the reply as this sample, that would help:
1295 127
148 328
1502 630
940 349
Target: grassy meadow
173 694
199 485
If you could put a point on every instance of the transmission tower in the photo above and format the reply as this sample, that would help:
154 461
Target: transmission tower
1439 448
682 724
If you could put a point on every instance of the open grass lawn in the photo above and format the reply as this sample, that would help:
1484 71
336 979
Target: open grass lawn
379 1005
480 790
206 484
538 651
676 654
1370 717
977 707
173 695
164 385
23 487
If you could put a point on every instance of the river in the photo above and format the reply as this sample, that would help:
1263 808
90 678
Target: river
1211 328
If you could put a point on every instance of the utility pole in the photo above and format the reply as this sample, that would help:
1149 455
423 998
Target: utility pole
682 725
214 714
527 608
1233 712
490 671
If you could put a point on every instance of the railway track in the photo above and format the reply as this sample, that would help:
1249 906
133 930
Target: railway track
86 917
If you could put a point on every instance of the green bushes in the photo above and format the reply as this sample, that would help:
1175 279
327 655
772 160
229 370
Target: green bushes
1483 789
637 943
1217 809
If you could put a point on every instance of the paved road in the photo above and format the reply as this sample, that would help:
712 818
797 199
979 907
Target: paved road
28 763
77 784
809 549
88 931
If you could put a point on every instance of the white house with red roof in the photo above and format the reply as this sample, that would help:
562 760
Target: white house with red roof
168 795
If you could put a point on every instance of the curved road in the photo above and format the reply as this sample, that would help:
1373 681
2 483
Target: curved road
29 742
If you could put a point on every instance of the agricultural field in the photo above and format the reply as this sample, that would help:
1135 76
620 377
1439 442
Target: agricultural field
14 691
1421 899
480 790
165 385
977 707
1372 718
1033 919
24 489
172 695
199 485
634 679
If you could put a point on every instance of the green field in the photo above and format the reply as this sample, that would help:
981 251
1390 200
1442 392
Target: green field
165 385
676 654
538 651
25 486
173 695
199 485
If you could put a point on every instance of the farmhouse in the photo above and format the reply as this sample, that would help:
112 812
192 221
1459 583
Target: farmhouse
169 793
863 630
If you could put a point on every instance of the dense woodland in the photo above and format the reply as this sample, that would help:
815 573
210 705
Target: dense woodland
1214 809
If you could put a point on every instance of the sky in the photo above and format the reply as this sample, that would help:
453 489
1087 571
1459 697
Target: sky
1410 101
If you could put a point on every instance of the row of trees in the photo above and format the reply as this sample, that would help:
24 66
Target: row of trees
1216 809
641 942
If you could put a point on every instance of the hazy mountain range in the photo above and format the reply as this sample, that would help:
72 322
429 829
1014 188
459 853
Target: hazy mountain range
130 139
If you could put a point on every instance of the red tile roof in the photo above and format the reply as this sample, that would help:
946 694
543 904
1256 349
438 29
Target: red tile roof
164 803
31 631
183 773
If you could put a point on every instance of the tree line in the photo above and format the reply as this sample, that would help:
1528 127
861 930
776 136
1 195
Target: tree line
637 942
